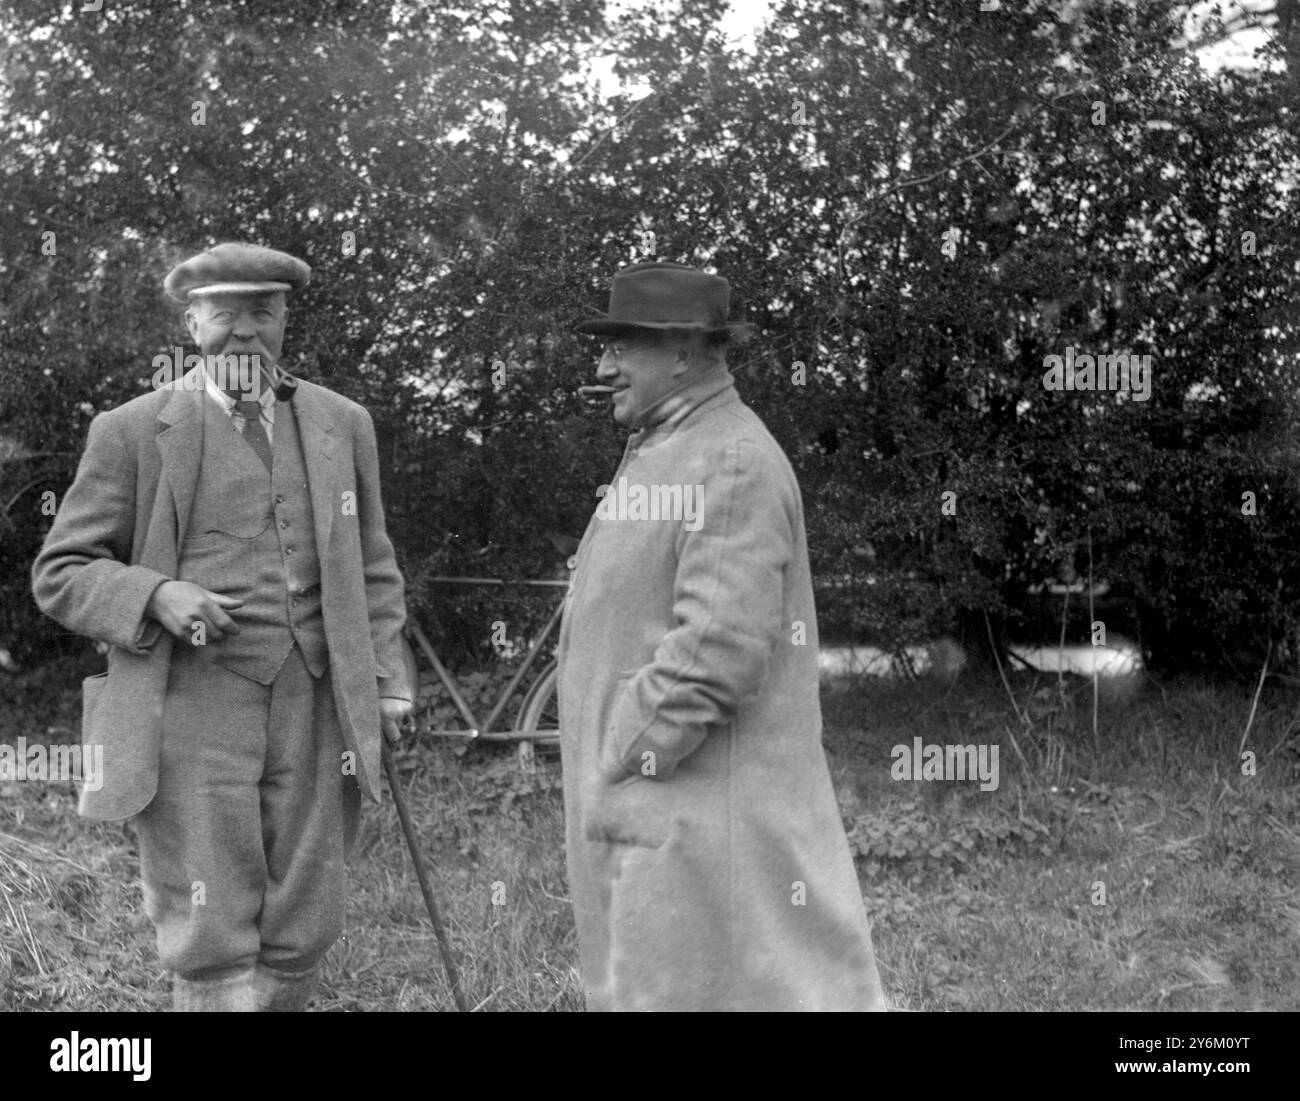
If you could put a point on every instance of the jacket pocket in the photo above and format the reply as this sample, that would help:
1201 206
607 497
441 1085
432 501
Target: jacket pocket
224 534
92 691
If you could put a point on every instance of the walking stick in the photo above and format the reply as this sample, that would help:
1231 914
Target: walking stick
412 843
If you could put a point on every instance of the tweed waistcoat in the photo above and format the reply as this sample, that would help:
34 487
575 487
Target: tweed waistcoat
251 536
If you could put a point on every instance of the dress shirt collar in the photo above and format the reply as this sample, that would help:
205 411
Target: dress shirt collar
265 397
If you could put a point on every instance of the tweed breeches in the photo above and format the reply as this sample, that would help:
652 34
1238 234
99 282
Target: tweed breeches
242 850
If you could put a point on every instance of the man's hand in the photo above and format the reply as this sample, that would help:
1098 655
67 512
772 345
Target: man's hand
392 714
178 605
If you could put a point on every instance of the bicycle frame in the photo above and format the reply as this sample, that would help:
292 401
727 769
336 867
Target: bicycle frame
482 731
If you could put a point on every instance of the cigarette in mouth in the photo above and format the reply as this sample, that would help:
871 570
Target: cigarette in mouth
587 391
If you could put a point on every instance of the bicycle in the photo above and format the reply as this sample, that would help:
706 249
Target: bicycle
539 718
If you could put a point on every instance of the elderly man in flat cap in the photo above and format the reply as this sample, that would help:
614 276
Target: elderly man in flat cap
226 538
708 865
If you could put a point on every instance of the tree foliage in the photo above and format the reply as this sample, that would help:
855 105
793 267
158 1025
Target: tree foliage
916 203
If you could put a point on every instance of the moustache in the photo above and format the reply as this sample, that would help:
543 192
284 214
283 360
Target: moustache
274 376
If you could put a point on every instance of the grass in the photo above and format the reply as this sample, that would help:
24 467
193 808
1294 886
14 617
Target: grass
994 901
980 900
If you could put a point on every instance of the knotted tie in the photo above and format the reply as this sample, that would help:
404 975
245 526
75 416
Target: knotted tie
254 433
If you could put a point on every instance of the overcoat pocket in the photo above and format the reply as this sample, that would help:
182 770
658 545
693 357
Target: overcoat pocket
609 752
630 812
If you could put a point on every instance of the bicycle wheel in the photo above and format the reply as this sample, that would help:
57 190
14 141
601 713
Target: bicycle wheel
541 712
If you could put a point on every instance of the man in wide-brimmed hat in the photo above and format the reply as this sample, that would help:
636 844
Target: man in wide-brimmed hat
225 536
708 865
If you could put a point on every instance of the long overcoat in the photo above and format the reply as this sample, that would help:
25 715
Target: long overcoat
115 539
707 860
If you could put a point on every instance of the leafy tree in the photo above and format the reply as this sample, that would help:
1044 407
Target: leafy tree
917 203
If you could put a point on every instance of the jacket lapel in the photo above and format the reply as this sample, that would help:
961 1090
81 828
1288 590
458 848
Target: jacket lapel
318 438
180 444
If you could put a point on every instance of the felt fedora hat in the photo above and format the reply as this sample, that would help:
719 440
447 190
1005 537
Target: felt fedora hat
236 268
664 295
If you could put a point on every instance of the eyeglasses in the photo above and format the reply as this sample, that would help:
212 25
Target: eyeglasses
617 348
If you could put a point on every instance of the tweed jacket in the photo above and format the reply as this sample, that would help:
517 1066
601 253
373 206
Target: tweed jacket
115 539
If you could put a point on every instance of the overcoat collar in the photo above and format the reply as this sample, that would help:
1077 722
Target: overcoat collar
710 389
180 443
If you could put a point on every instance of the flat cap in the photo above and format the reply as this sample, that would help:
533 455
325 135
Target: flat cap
236 268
